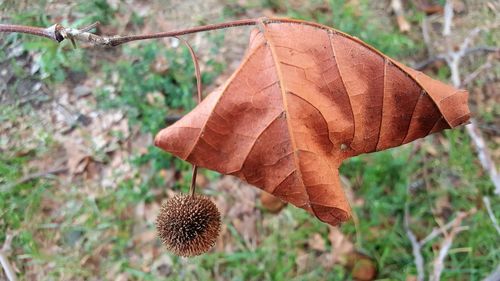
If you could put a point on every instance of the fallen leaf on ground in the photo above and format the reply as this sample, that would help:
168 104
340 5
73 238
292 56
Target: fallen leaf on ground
316 242
364 269
341 246
78 157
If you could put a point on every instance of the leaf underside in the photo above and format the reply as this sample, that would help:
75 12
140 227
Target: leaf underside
305 98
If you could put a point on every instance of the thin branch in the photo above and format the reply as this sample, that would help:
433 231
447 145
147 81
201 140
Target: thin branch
436 232
7 268
448 17
442 57
445 246
476 73
483 154
424 64
493 219
403 24
51 32
454 225
415 244
481 49
58 32
120 40
32 177
90 27
4 261
453 59
494 276
426 36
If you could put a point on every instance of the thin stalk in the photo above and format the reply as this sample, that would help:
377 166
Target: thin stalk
192 188
197 73
124 39
58 33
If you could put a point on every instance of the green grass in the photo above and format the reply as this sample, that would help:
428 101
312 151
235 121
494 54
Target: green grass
456 176
79 230
148 97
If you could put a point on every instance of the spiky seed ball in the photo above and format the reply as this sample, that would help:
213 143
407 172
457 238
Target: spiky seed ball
188 225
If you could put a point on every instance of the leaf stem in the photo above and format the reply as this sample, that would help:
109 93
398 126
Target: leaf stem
192 188
197 73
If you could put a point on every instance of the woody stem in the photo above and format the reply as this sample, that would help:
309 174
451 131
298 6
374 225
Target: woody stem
192 188
58 33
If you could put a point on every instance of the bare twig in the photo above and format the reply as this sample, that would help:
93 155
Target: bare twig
443 57
423 64
475 73
51 32
4 261
454 225
403 24
483 154
446 245
436 232
415 244
58 32
451 56
33 176
426 36
493 219
90 27
448 17
453 59
7 268
494 276
483 49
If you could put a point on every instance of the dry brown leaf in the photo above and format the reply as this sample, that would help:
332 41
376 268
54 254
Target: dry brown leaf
364 269
222 244
429 8
302 261
238 208
247 228
411 278
316 242
341 246
78 158
144 237
442 204
305 98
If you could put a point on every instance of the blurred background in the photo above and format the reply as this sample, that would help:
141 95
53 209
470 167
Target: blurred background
81 182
